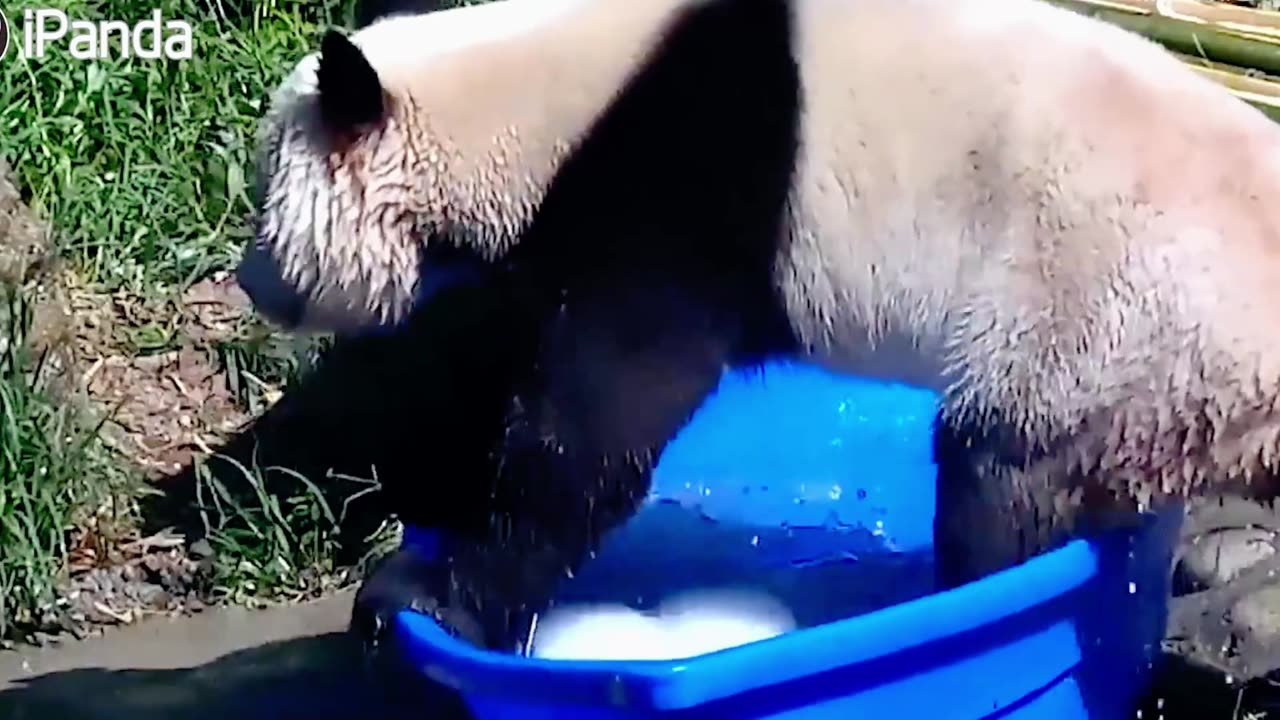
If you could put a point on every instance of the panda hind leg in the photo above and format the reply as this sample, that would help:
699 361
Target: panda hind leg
985 518
995 511
993 514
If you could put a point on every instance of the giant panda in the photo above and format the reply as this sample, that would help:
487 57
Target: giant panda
998 199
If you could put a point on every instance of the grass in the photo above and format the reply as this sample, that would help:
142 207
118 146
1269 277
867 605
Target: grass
143 165
55 479
144 170
259 364
270 545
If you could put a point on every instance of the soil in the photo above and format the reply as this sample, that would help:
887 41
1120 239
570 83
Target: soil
167 405
160 409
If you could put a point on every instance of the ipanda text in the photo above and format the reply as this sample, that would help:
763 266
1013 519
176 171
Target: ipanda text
151 39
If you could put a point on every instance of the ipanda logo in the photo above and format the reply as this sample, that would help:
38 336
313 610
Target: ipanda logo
150 39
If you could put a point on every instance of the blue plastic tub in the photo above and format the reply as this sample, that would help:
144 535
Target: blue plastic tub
1068 635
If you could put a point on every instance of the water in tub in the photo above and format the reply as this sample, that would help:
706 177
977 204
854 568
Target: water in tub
795 507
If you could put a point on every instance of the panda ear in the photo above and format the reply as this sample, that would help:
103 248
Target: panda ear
351 93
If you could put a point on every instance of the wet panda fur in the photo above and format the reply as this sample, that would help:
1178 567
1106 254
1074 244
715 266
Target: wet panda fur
1018 213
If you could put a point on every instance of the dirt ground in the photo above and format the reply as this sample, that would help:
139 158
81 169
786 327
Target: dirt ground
151 371
171 404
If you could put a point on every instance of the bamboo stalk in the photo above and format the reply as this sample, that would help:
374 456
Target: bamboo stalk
1262 94
1195 31
1240 83
1192 38
1235 78
1231 17
1223 16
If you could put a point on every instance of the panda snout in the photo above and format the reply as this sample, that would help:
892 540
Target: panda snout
278 301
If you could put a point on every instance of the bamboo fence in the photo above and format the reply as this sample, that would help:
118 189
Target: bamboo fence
1238 47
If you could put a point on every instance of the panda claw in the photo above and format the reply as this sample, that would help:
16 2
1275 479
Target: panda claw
402 581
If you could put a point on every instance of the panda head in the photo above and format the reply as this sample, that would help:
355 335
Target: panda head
343 170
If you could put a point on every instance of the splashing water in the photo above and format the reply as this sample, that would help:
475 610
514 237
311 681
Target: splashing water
780 492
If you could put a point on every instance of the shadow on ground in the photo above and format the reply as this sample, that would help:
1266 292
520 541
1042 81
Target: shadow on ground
299 678
371 402
300 664
314 678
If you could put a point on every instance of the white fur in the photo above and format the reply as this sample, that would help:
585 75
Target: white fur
409 41
1019 211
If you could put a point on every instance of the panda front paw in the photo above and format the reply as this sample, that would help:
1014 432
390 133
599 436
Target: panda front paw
406 580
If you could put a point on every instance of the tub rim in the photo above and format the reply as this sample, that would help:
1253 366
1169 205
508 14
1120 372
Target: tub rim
684 683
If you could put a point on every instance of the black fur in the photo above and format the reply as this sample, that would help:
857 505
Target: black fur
976 489
996 510
647 271
350 92
1016 496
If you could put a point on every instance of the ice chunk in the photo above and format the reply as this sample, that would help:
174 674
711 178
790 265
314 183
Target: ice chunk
599 632
694 623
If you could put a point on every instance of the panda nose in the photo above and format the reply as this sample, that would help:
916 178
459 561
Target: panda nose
258 274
